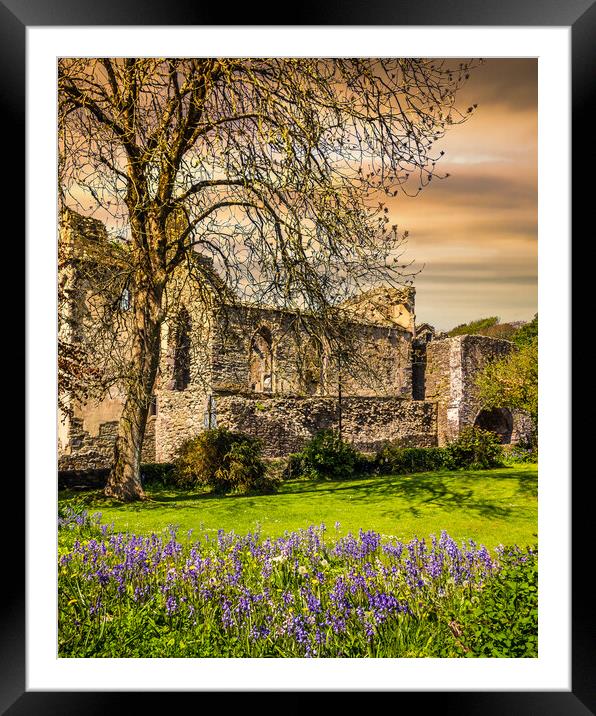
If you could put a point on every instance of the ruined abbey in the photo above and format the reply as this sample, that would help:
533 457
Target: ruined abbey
256 369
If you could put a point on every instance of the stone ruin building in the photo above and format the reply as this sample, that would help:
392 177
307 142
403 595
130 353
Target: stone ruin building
256 370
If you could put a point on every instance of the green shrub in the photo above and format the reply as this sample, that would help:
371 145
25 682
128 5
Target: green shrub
199 458
326 456
293 468
366 464
396 460
502 618
244 469
527 334
519 455
225 461
475 449
158 473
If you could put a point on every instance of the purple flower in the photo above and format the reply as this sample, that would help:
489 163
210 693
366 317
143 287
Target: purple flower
171 605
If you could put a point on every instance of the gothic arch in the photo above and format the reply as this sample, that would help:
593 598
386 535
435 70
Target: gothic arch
261 361
314 366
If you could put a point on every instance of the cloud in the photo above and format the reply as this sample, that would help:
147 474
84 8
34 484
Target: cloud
508 83
479 189
476 231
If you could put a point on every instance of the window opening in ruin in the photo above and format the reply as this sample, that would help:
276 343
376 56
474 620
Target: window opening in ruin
418 371
182 351
261 362
498 421
153 405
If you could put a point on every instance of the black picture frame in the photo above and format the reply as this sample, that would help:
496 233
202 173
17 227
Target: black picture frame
580 16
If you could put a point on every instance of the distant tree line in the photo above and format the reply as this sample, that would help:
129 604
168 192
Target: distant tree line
491 326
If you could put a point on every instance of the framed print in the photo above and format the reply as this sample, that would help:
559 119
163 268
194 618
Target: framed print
36 678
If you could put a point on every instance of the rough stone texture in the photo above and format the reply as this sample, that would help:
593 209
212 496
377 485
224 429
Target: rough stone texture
383 365
94 452
267 373
523 428
437 381
285 423
148 451
370 422
385 306
451 368
180 415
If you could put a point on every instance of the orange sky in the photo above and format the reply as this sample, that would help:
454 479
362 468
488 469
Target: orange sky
476 231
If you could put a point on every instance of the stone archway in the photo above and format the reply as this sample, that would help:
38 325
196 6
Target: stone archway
498 421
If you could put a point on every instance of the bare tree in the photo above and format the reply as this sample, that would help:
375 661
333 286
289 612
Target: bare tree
277 169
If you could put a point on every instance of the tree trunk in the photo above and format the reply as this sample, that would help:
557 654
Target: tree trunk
124 480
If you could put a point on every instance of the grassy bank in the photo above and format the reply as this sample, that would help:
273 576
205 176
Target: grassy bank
491 507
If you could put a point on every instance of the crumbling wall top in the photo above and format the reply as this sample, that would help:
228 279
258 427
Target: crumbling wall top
385 306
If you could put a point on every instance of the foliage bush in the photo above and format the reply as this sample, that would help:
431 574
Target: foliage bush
397 460
366 464
293 468
520 455
512 381
225 461
527 334
504 331
325 456
245 469
475 449
501 619
158 473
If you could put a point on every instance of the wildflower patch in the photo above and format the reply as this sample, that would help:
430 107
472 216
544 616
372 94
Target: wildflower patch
306 594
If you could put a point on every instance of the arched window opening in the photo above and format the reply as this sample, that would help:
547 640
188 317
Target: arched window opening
181 376
261 362
498 421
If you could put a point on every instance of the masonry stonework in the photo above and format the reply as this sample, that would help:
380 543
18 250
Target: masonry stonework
94 452
285 423
256 369
452 365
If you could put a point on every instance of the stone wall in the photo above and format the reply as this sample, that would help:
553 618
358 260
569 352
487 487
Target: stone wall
451 368
180 415
523 428
94 452
368 423
437 383
381 364
285 423
233 332
148 452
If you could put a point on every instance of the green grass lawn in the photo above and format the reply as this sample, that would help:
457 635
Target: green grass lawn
490 506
